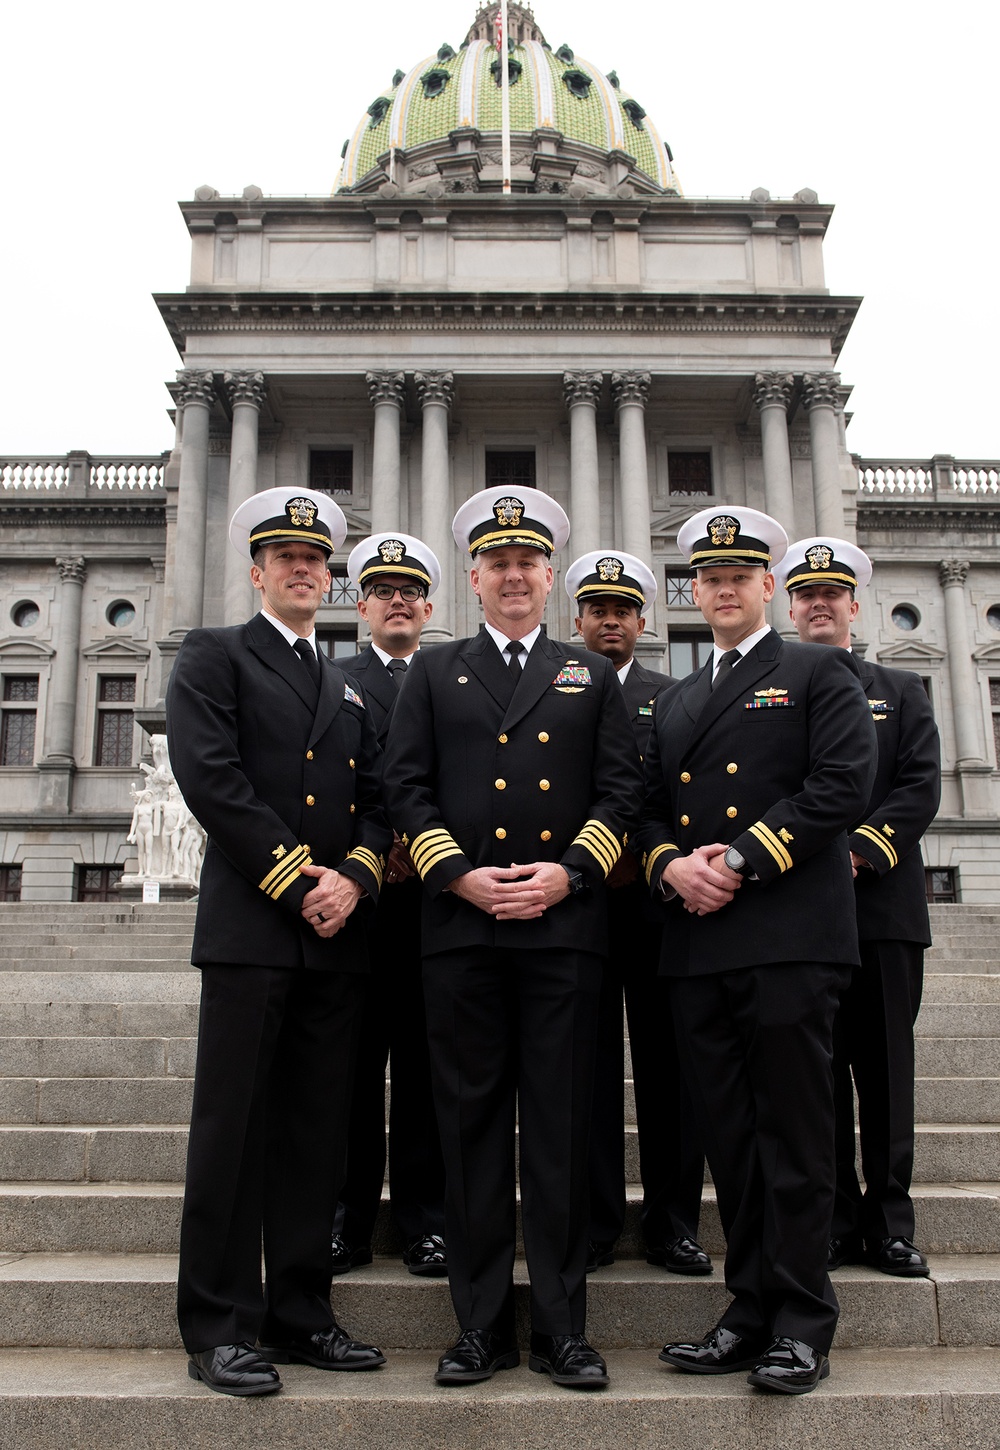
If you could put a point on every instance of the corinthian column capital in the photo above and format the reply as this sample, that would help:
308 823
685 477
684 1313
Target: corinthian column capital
196 386
72 571
773 388
435 387
821 390
245 387
582 387
385 387
630 387
953 572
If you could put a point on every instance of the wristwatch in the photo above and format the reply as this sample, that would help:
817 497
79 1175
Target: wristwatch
736 861
577 885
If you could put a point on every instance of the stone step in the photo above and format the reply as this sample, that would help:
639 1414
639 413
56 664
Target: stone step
95 1100
95 1153
114 945
958 1056
958 1019
969 987
143 1217
957 1099
53 1019
117 960
117 913
170 984
906 1399
93 1057
128 1301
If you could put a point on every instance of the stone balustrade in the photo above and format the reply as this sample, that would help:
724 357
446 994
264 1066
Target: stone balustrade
80 472
938 477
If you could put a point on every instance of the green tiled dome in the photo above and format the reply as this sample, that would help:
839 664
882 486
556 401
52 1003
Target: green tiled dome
555 91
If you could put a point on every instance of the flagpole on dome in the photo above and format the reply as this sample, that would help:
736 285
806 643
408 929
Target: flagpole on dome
504 97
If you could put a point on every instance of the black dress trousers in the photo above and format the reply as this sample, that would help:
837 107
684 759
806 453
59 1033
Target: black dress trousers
266 1146
873 1042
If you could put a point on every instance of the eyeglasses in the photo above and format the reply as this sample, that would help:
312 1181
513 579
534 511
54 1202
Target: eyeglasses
409 592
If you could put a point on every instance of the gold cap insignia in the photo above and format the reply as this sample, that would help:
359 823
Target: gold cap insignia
820 556
508 512
610 570
722 530
391 551
301 512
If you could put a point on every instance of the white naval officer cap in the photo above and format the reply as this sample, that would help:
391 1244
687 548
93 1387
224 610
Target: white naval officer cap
824 560
394 553
279 515
497 517
611 571
728 535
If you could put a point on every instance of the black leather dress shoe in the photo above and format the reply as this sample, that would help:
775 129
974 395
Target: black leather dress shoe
346 1258
899 1257
476 1355
568 1360
599 1256
790 1367
681 1256
720 1352
844 1251
427 1257
234 1369
331 1348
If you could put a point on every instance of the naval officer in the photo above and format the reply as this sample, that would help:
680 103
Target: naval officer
873 1033
511 775
757 765
613 593
395 576
275 754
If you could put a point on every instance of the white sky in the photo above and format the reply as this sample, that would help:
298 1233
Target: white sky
115 110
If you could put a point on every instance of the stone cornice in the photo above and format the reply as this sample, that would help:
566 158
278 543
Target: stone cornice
209 313
929 514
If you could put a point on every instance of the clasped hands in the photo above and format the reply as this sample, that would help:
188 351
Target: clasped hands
514 893
702 880
328 905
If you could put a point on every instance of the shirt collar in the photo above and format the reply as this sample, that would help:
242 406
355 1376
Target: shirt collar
502 640
290 634
385 658
744 646
623 672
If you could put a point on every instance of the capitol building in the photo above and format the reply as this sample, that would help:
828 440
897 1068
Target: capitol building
425 332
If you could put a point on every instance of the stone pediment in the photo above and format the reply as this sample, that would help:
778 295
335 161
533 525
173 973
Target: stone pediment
987 654
911 655
12 648
116 649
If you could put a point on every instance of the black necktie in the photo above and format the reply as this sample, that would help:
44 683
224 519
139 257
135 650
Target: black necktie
307 655
397 669
514 650
726 663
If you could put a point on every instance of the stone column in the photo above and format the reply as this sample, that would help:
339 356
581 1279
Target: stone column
436 390
581 392
821 396
772 395
966 702
197 393
246 394
58 762
385 393
630 391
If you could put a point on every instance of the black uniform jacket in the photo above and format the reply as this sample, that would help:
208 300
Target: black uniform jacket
640 689
891 899
278 781
475 777
777 762
377 687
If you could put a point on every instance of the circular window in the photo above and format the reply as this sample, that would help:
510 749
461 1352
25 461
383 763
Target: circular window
904 616
25 614
993 616
121 613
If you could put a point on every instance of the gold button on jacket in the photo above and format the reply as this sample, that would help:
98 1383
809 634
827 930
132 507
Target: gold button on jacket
543 785
310 800
732 812
500 784
685 777
685 820
500 833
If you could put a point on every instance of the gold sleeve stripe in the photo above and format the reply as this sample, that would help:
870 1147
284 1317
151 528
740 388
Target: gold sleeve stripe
602 844
286 881
767 838
430 842
441 854
653 857
368 859
873 835
292 861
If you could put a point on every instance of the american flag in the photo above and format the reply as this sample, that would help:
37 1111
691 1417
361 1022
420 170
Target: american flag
498 31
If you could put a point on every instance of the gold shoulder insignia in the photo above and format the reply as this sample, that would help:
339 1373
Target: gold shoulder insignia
786 835
279 851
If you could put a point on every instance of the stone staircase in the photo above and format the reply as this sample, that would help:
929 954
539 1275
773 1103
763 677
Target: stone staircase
98 1011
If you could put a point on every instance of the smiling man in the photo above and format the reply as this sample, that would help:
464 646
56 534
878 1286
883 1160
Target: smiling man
613 592
277 758
873 1033
395 574
511 775
757 765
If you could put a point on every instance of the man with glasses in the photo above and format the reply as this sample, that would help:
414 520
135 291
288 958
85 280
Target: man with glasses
394 574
